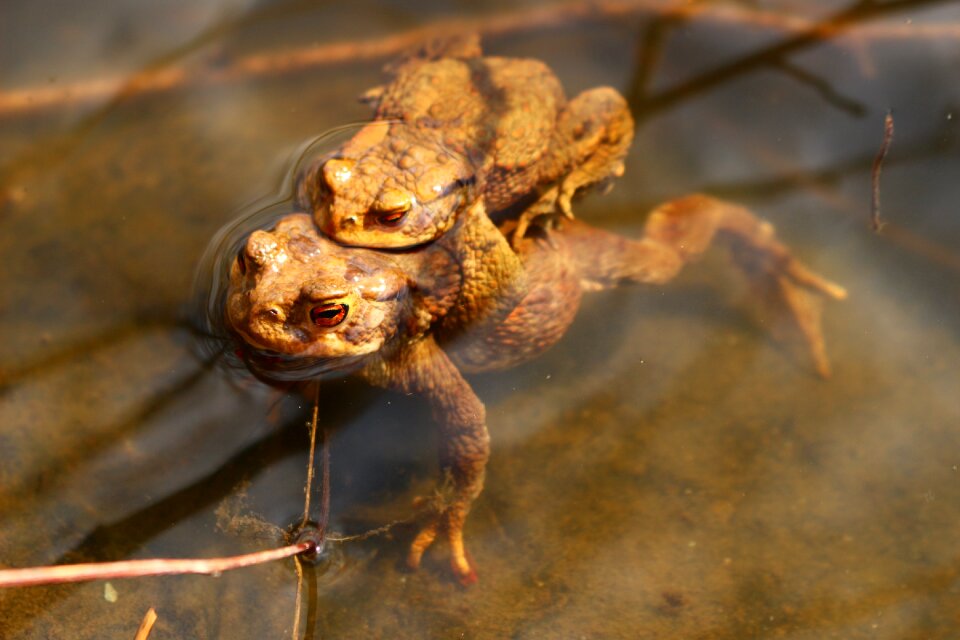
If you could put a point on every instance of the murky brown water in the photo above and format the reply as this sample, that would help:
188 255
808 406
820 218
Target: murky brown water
666 471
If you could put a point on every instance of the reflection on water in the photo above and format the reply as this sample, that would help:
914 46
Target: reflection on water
665 471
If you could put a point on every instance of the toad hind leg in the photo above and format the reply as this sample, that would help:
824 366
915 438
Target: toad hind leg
680 230
422 367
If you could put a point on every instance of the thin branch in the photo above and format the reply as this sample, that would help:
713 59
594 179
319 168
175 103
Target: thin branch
166 78
308 489
147 625
830 94
141 568
325 505
875 170
814 33
128 534
370 533
820 182
792 178
650 52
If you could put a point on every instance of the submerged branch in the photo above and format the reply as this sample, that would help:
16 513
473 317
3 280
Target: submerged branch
775 55
168 77
830 94
875 222
305 532
308 488
823 183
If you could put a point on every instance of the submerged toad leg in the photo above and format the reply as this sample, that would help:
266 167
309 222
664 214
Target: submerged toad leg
593 135
680 230
422 367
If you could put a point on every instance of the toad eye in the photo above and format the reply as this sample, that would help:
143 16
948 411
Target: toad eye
329 315
392 218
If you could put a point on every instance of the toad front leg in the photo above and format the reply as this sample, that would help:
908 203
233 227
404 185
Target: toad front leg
593 136
422 367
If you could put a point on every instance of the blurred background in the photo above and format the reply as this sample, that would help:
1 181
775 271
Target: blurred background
667 471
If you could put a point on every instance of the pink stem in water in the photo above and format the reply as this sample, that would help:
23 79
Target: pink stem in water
141 568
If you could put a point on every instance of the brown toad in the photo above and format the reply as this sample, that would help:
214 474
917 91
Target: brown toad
450 119
455 129
305 306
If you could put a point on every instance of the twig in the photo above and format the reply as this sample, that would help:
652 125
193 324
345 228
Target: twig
157 80
373 532
650 52
308 489
140 568
830 94
166 78
147 625
875 221
325 503
820 182
815 32
325 492
299 599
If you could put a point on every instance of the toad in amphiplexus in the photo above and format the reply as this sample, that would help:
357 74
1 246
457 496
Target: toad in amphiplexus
305 306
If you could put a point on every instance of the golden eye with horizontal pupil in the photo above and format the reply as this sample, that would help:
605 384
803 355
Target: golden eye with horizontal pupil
329 315
392 218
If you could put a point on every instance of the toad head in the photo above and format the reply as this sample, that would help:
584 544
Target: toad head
390 187
304 305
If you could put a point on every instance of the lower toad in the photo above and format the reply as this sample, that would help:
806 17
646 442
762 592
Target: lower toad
305 306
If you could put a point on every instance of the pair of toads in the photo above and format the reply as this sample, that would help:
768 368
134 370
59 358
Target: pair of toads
439 241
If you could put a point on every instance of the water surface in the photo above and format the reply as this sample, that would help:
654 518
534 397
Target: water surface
667 471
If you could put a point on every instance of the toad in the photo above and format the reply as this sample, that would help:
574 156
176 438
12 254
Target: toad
305 306
452 118
452 128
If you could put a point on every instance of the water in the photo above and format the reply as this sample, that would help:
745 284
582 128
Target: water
666 471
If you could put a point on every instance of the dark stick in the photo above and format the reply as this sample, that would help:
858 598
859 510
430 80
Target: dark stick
813 34
875 221
317 539
308 489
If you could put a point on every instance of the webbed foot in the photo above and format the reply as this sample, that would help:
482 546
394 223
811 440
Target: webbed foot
423 367
788 286
790 290
449 519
